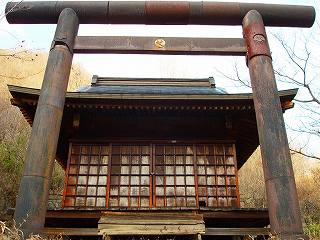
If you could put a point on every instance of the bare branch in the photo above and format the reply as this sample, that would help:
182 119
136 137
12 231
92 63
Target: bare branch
304 101
305 154
291 79
17 55
237 78
302 67
10 10
19 78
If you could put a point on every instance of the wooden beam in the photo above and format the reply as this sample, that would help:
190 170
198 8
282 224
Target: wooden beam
208 232
237 214
71 231
147 229
156 45
73 214
236 231
147 223
159 12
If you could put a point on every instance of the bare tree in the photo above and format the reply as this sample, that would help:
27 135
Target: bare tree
297 65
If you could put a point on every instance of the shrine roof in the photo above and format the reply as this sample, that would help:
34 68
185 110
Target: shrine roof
33 93
167 90
153 86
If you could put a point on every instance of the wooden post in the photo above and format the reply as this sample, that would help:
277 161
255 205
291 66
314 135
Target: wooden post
284 212
31 205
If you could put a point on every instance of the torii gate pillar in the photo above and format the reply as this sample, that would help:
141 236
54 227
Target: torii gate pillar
31 205
282 198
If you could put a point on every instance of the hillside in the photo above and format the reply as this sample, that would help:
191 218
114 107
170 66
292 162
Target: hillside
23 68
307 176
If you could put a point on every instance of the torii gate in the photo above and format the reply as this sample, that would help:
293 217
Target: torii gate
282 198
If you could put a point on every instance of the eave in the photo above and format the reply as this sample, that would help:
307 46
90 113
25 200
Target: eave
285 95
240 106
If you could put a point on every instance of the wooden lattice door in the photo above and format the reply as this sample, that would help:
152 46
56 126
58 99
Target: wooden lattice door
118 175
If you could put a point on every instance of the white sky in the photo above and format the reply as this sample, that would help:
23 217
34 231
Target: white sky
39 37
136 65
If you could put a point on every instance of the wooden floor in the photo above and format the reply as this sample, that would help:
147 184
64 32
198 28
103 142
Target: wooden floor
218 222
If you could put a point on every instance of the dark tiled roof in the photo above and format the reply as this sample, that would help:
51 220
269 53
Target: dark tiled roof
167 90
152 86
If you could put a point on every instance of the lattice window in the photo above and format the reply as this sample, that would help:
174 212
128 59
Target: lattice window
87 176
155 175
174 176
130 176
216 174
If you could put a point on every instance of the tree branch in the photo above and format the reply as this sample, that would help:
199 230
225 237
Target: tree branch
19 78
10 10
16 55
237 78
305 154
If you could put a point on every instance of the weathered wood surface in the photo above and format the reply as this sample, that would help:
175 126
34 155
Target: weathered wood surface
284 211
237 231
209 213
71 231
150 218
202 82
147 175
156 45
208 231
32 201
160 229
151 224
159 12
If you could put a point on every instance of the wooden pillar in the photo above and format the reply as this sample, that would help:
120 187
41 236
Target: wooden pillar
31 205
284 212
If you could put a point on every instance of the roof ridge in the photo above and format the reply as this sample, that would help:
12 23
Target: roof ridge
130 81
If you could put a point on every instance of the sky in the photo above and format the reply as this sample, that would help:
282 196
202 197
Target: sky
135 65
39 37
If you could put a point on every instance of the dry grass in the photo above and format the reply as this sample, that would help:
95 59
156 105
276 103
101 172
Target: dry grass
13 233
25 68
307 176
